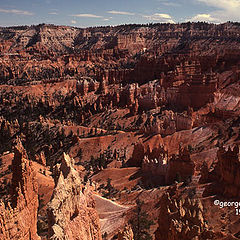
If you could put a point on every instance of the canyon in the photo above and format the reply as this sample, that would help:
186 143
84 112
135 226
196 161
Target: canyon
125 132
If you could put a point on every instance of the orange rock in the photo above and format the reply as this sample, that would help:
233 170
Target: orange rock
71 212
18 219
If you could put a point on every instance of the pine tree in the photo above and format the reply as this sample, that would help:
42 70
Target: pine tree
90 132
104 236
80 154
109 186
93 162
140 223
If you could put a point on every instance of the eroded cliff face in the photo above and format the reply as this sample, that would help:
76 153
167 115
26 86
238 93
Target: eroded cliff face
128 53
71 213
160 168
225 174
228 170
18 218
183 217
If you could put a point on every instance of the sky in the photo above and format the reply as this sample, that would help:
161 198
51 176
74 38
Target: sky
81 13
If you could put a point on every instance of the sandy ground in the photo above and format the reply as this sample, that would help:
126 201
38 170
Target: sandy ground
111 214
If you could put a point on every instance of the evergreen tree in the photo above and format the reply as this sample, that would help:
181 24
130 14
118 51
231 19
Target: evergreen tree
93 162
178 177
91 132
80 154
104 236
140 223
109 186
62 133
71 133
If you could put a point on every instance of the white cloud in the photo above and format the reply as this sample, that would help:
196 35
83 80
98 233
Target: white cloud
169 4
16 11
87 15
53 13
203 18
226 10
73 21
106 19
223 4
161 17
121 13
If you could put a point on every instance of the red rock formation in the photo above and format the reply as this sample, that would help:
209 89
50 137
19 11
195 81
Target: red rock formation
137 156
41 158
168 123
204 173
71 212
157 165
128 83
53 52
227 171
181 167
133 41
85 85
18 219
126 234
183 218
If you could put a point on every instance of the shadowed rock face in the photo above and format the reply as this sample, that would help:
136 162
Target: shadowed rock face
71 213
161 169
183 218
18 219
226 172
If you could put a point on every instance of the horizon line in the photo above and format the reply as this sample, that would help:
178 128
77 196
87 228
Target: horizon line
123 24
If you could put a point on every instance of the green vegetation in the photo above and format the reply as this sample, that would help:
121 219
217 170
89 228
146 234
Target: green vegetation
140 223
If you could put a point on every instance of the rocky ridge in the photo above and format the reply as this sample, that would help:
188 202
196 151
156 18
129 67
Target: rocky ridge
18 217
71 213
